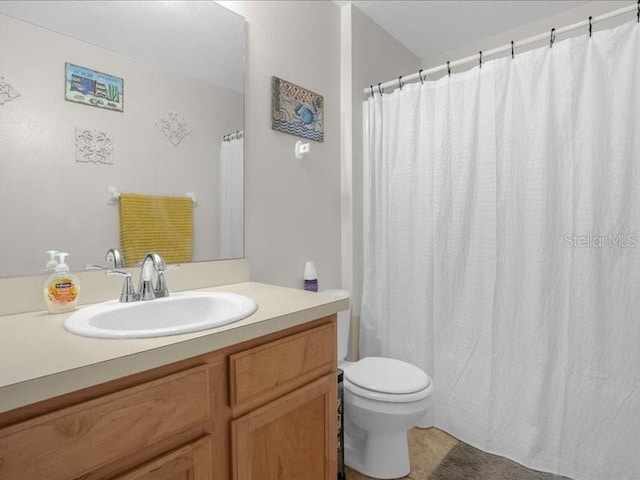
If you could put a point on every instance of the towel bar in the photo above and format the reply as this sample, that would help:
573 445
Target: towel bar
113 196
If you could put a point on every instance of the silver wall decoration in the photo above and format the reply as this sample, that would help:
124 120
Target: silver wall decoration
94 146
174 127
7 91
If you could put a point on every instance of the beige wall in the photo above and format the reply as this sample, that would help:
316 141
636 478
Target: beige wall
292 207
50 201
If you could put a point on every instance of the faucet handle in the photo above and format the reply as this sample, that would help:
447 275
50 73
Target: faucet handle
112 272
94 267
162 290
128 293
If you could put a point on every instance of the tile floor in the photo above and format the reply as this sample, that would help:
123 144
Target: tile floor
427 448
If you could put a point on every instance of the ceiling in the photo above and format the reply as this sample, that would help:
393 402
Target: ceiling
200 39
430 28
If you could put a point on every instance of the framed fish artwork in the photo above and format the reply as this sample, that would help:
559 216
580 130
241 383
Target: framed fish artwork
296 110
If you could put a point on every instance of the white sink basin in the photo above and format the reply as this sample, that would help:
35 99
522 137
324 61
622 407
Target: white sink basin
178 313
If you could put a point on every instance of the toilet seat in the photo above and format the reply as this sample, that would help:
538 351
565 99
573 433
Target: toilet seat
387 397
387 380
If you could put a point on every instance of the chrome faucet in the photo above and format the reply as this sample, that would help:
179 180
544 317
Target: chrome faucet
146 290
113 255
145 287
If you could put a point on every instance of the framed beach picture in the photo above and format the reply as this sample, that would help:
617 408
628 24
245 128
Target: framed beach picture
90 87
296 110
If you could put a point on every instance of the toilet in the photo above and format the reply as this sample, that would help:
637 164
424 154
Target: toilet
383 399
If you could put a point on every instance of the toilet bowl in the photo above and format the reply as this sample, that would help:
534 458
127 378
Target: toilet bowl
383 399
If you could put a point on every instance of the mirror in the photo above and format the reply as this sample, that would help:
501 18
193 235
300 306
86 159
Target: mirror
182 69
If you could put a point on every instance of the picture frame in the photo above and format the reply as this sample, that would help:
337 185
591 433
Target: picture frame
91 87
296 110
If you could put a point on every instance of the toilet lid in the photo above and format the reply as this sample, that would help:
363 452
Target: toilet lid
387 375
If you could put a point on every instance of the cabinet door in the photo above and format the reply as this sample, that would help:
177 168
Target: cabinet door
291 438
190 462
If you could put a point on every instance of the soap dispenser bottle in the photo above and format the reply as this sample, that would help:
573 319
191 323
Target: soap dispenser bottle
51 265
62 288
310 277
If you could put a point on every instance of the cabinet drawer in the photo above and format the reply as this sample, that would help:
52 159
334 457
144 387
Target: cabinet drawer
189 462
260 374
73 441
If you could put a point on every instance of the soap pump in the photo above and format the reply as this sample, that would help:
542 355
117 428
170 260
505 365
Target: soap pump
52 263
62 288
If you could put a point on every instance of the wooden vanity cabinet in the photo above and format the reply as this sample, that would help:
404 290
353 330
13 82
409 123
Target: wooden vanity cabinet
263 409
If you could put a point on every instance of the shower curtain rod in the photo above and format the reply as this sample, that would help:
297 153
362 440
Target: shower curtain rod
400 81
230 136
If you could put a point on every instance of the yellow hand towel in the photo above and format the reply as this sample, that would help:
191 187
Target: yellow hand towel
150 223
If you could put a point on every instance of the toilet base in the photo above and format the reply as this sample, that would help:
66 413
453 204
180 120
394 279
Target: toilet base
427 420
384 456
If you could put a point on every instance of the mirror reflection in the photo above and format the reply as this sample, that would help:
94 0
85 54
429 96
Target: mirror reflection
121 126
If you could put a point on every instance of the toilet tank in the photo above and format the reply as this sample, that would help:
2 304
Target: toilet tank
344 322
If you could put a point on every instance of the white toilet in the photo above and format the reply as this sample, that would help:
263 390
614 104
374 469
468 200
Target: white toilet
383 399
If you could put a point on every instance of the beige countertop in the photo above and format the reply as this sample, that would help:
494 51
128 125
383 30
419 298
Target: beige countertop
39 359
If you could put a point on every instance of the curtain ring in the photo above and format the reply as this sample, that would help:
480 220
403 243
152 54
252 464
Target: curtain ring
513 54
590 25
380 89
480 60
638 11
371 87
448 67
420 75
553 37
400 82
237 134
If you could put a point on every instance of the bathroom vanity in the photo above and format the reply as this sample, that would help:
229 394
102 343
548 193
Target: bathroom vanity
252 400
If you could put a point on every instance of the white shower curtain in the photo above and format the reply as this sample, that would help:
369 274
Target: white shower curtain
231 199
502 251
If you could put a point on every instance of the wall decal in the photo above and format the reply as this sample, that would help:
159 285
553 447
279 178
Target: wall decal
296 110
7 91
97 89
94 146
174 127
